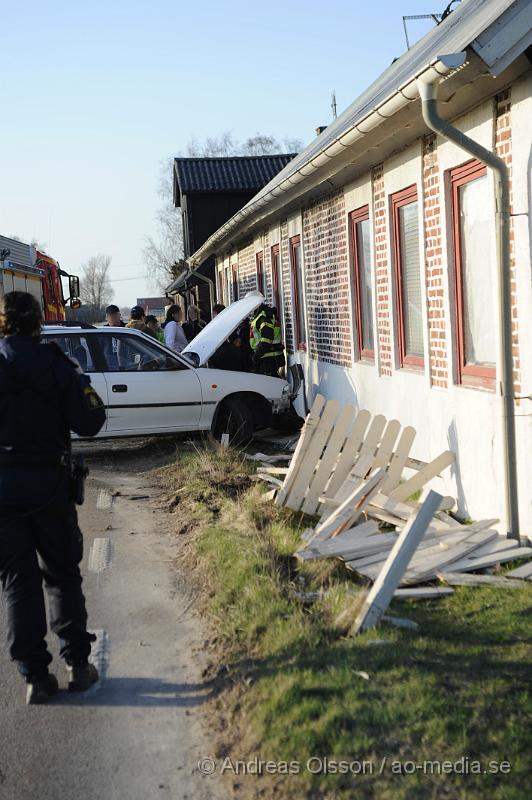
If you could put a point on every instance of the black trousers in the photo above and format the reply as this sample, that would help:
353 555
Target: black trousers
43 546
270 365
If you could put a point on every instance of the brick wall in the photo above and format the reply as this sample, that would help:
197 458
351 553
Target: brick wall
329 335
247 270
438 364
503 147
382 288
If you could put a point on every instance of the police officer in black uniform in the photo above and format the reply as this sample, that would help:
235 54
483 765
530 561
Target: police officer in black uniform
43 396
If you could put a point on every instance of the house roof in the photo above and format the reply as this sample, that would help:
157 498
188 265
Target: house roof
497 31
232 174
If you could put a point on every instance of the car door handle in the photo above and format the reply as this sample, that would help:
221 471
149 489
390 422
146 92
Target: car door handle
119 387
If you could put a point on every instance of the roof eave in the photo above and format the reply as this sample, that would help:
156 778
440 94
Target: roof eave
306 175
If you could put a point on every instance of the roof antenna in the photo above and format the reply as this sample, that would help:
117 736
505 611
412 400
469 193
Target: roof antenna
436 17
333 104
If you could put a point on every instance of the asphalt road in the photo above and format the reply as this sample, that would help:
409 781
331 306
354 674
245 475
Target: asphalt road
139 733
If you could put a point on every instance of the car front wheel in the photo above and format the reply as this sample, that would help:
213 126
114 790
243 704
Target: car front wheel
235 419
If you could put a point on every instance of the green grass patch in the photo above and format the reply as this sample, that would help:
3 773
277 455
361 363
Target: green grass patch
293 688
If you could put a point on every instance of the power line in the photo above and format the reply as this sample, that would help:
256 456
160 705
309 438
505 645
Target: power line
131 278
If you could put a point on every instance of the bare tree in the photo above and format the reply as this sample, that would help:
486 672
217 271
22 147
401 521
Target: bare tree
96 289
164 253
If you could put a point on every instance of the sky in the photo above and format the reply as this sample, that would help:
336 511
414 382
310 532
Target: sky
95 96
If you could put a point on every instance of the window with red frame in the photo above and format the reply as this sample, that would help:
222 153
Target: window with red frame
362 282
298 303
276 279
234 276
474 253
408 293
259 261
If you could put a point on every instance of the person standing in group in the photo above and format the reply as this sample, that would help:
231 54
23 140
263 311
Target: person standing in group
194 323
113 318
137 320
155 329
174 335
43 396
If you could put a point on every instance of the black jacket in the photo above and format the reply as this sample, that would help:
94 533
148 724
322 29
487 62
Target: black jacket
42 399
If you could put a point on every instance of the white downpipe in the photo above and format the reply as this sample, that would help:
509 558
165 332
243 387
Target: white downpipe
428 90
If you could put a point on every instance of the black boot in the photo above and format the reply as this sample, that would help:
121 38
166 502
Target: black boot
40 689
81 676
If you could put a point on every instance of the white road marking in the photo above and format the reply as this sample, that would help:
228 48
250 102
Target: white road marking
100 555
105 500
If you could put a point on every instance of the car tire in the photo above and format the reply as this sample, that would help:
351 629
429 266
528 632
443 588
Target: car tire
236 419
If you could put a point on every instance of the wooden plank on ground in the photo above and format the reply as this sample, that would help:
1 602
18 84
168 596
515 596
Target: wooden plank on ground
296 493
431 544
394 568
418 481
524 571
274 470
399 459
270 479
350 510
305 438
422 593
428 569
329 458
501 557
464 579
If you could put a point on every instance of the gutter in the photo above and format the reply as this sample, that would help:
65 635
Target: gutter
407 93
428 90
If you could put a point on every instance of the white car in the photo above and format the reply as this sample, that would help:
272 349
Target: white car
149 389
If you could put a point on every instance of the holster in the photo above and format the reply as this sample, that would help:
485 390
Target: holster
78 476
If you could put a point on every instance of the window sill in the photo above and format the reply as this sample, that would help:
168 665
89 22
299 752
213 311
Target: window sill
487 385
415 369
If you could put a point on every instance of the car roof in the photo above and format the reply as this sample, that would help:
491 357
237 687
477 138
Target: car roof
66 329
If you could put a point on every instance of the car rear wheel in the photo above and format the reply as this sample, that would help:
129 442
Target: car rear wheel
235 419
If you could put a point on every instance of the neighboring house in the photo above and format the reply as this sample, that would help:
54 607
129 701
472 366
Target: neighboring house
154 305
209 191
377 245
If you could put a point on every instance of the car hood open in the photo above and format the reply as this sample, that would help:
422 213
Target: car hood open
213 335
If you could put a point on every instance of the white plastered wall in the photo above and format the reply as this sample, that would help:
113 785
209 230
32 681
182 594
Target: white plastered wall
463 419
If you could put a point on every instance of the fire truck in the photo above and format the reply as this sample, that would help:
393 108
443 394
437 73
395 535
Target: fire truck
24 268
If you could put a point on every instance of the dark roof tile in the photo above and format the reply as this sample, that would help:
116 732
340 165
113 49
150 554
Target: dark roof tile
233 174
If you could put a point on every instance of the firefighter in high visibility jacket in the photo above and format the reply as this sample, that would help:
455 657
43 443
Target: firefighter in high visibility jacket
266 342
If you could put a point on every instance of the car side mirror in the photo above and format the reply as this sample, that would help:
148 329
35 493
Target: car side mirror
75 303
73 290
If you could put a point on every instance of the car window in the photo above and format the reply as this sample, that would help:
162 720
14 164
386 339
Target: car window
75 347
123 353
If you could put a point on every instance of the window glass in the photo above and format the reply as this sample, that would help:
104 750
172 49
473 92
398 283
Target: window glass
133 354
477 248
410 279
276 294
365 283
297 285
260 272
75 347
